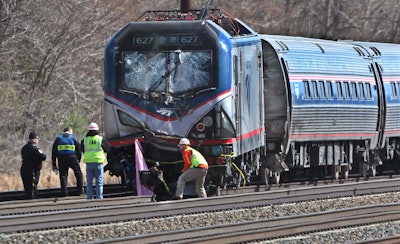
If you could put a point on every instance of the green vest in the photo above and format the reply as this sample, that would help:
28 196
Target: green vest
93 151
197 159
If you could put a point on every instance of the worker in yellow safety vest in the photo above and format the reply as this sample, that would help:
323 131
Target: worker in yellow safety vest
94 149
195 167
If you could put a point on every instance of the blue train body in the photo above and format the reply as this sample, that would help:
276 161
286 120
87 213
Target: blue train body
254 105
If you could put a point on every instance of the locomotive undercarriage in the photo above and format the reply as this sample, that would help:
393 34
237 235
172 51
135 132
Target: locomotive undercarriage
324 160
230 171
331 159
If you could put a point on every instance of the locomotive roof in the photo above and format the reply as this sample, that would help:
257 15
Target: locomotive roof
219 16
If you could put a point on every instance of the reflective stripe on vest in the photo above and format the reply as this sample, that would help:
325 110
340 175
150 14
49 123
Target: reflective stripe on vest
93 151
66 144
197 159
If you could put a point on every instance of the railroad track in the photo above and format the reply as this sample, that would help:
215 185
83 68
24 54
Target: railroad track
51 215
15 208
273 228
118 190
110 190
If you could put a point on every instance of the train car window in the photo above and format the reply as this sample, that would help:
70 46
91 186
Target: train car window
330 89
354 91
322 89
339 90
361 89
314 89
306 89
127 120
368 92
346 90
394 90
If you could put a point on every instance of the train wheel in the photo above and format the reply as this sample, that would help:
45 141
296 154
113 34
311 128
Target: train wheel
345 172
364 169
222 186
264 173
238 181
336 172
276 177
373 170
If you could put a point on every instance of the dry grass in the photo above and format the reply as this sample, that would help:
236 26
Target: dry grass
13 182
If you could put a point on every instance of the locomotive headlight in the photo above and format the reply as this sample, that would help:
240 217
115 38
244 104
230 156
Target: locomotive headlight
200 127
216 150
207 121
215 124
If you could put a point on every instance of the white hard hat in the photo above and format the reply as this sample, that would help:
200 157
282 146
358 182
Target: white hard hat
93 126
184 141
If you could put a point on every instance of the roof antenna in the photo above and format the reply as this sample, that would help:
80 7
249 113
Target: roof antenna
204 10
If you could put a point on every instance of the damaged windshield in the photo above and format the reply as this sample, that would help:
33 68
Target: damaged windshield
167 72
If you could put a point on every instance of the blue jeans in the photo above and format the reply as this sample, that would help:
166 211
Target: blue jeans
94 170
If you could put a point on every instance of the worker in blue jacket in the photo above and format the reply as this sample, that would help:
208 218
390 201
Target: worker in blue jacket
67 152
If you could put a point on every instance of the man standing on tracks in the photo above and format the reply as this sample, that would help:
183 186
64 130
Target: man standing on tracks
195 168
32 159
67 151
94 149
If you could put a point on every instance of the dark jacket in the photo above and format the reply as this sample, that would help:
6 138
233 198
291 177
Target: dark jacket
55 154
32 157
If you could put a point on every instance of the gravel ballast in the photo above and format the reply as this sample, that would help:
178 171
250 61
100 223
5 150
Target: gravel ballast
140 227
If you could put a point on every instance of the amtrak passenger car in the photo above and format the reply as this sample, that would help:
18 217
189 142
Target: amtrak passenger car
332 105
171 75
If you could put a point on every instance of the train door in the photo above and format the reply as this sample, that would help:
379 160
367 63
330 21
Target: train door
276 102
277 113
381 103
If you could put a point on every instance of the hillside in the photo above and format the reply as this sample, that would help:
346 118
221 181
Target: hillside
51 52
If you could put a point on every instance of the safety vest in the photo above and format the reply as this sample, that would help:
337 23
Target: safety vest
94 153
197 159
66 144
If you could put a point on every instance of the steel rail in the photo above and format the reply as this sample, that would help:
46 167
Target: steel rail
110 190
271 228
117 190
67 203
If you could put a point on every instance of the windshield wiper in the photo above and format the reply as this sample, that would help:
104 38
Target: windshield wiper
157 83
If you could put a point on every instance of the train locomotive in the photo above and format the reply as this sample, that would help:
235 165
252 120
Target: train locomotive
255 105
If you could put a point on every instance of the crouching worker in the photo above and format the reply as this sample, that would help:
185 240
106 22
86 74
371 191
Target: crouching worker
195 168
94 149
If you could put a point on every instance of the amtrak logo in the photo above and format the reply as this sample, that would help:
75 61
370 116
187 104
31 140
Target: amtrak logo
165 112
